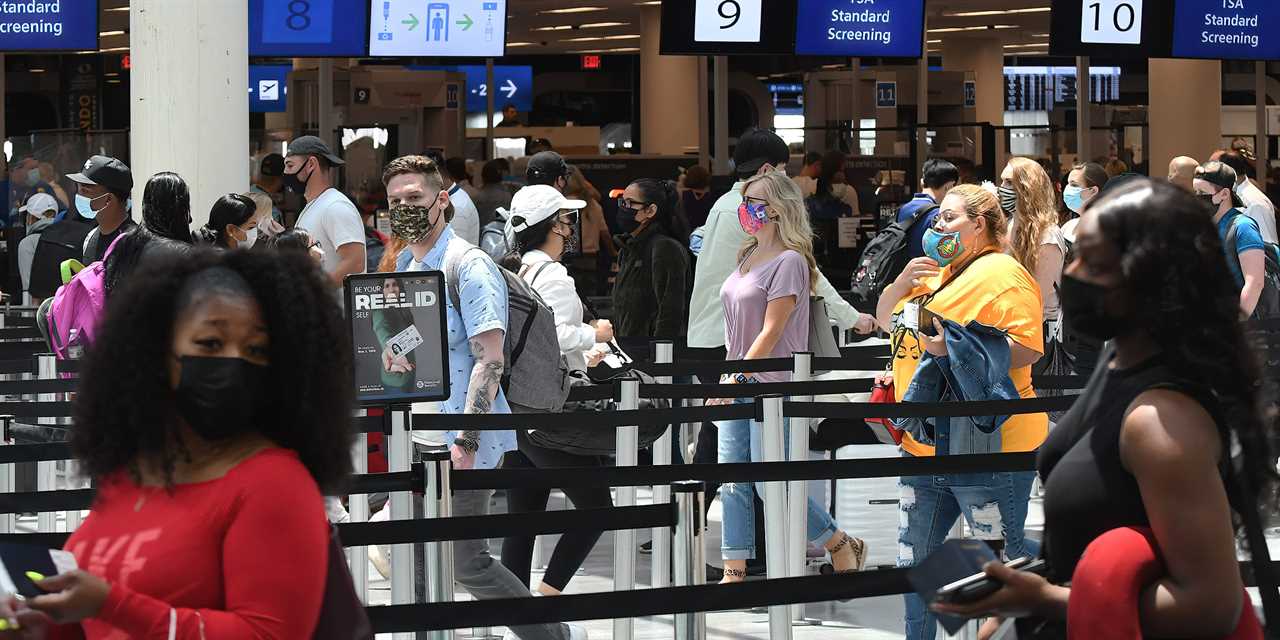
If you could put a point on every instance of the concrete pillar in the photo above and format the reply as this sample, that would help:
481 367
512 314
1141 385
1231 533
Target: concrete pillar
668 92
189 106
1185 112
984 58
325 121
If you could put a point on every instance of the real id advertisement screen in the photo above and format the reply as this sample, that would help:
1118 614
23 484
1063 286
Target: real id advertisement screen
398 337
860 28
307 28
454 28
1227 29
57 25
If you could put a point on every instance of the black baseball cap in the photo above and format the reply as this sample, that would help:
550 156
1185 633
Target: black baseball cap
105 171
313 146
1221 175
272 165
757 148
545 166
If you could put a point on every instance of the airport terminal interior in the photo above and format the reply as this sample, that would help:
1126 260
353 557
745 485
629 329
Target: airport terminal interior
707 376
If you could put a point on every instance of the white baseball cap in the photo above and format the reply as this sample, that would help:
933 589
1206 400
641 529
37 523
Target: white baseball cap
39 204
536 203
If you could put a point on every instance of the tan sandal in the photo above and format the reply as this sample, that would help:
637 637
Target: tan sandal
738 575
857 547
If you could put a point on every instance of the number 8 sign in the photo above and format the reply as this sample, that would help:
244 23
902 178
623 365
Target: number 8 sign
297 21
726 21
1111 21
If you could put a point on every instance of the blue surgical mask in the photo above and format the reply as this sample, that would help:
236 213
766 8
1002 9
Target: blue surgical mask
84 206
943 248
1073 197
33 177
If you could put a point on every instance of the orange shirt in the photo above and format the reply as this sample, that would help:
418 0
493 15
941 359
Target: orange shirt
996 291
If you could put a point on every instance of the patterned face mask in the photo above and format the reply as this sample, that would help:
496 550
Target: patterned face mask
412 222
752 217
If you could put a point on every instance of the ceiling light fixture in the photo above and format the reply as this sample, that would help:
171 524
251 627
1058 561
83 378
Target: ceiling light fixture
978 28
124 8
105 34
601 25
114 49
575 10
975 14
1034 45
520 44
558 27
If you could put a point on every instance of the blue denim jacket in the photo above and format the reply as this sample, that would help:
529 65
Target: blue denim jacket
976 368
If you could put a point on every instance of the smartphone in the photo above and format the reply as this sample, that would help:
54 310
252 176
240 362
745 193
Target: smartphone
980 585
926 321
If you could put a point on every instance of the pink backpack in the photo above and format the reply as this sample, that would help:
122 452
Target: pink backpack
77 308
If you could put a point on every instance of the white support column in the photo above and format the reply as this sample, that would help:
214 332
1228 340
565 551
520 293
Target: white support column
1082 110
324 103
189 105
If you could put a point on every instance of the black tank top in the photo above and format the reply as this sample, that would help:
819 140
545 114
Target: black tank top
1087 490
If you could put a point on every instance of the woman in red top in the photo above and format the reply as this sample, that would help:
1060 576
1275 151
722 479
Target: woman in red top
213 412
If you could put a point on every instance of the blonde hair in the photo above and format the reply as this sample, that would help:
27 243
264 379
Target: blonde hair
786 202
980 203
262 204
1037 211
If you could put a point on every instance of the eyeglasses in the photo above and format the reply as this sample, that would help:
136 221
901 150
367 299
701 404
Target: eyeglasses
624 203
751 200
569 217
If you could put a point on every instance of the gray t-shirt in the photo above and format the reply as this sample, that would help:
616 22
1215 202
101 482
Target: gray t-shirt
745 298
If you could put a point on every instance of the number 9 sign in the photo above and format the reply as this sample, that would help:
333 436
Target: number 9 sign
726 21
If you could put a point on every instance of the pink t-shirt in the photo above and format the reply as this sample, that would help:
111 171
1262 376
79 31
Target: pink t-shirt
745 298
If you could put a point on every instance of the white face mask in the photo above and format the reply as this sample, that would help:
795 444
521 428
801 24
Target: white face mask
251 236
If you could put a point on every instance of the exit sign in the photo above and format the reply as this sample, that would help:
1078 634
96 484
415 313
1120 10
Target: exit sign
591 62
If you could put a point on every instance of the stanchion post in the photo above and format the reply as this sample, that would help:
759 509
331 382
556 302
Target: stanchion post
398 456
46 471
660 567
688 551
624 541
798 490
358 508
769 407
437 502
8 478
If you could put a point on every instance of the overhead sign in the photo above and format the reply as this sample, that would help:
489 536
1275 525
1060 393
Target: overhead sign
970 93
1227 29
727 20
1111 22
886 95
591 62
514 85
461 28
307 28
61 25
268 87
398 335
860 28
1111 28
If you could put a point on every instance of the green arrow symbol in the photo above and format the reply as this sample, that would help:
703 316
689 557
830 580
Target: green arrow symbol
465 22
412 22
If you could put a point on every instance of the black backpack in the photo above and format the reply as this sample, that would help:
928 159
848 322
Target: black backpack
1269 301
58 242
884 258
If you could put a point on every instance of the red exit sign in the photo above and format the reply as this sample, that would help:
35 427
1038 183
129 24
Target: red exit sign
591 62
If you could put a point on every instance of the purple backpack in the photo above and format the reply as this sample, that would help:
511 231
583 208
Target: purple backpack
77 308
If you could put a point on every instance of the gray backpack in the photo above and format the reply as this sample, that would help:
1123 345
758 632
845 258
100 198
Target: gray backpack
536 374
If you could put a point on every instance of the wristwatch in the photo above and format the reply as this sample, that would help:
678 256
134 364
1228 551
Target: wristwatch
467 444
741 378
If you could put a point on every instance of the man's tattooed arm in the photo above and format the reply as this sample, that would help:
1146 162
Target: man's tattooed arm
486 375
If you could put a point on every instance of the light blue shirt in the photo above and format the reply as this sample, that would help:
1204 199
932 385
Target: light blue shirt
483 294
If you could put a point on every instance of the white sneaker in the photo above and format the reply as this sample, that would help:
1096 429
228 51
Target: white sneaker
576 631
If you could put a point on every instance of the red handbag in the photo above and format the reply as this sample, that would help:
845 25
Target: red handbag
883 429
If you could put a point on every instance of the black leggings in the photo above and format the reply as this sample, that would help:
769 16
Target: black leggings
574 547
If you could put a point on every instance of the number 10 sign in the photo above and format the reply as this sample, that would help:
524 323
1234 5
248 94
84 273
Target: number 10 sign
726 21
1111 21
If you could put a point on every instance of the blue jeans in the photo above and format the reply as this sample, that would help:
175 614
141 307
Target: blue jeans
740 441
994 505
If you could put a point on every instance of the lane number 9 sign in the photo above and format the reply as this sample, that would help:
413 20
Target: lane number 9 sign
726 21
1111 21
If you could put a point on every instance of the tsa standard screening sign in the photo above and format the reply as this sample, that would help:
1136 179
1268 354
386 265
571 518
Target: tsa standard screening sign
860 28
48 25
398 337
1227 29
454 28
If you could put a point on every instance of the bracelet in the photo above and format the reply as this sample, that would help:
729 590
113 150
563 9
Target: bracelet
469 445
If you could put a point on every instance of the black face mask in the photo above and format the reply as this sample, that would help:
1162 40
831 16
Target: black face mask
220 398
1207 198
627 219
1084 307
294 184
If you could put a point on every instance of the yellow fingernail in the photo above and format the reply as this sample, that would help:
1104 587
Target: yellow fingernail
34 577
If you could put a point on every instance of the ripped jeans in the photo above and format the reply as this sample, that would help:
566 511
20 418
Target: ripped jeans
993 504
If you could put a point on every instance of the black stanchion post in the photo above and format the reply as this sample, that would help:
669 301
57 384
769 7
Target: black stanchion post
689 554
437 502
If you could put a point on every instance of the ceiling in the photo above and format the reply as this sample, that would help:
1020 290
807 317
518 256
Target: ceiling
613 26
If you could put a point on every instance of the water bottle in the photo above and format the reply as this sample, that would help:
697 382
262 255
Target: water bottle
75 350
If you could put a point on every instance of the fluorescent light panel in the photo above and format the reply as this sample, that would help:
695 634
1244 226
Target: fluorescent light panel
975 14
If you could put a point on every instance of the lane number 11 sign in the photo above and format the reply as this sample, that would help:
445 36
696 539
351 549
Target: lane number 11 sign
1111 21
726 21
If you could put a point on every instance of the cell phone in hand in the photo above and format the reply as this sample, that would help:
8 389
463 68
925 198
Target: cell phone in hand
926 321
979 585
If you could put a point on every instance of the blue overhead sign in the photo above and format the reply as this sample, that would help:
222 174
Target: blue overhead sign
1226 29
268 86
307 28
860 28
42 25
886 95
514 86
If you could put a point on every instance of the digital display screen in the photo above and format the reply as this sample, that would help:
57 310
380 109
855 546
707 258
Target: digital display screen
728 27
398 336
514 85
307 28
866 28
1111 28
68 25
1226 29
457 28
268 86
